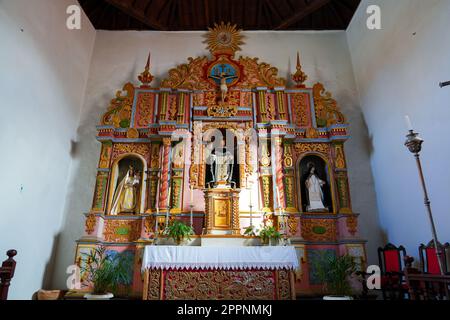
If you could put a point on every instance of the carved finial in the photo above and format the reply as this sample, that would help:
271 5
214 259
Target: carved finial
299 76
146 77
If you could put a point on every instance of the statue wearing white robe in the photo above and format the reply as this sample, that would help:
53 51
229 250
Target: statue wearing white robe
125 197
222 166
314 191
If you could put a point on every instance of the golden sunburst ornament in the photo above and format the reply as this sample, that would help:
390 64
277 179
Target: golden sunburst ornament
224 38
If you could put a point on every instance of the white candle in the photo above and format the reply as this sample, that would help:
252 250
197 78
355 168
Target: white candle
408 123
192 207
278 196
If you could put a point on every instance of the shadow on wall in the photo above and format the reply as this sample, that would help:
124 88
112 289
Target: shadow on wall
50 265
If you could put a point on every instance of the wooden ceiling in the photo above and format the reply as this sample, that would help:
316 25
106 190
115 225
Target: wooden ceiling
183 15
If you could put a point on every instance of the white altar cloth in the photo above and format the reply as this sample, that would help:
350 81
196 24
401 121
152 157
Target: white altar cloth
190 257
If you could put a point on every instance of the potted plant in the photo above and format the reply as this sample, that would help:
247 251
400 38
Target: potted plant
179 231
269 235
250 231
335 272
107 272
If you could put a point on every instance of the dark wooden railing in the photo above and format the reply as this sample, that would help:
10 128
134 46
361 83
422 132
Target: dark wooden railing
422 286
7 273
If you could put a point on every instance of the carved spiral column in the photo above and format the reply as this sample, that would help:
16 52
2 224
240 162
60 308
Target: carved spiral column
279 171
164 189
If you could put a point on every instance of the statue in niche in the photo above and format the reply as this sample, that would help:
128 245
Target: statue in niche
222 162
314 191
125 197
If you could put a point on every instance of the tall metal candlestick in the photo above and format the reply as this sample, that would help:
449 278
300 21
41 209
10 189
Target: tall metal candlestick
414 144
157 202
250 204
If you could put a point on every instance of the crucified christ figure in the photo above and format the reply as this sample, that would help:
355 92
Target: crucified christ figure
223 83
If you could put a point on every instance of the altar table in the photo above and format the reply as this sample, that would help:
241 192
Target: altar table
221 273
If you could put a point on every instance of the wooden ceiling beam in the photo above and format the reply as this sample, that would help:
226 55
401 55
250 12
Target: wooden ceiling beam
127 8
302 13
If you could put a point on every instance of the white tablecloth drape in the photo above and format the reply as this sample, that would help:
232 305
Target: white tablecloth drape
190 257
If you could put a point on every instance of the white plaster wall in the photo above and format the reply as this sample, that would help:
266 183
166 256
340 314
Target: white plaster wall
397 70
120 56
43 74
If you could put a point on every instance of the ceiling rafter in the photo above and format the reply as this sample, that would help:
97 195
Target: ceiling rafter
312 7
184 15
128 9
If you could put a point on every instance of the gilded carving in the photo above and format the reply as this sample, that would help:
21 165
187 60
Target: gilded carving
288 162
265 155
300 105
284 285
105 155
318 229
312 133
259 74
222 110
91 221
142 149
100 189
299 76
224 38
153 285
327 111
340 160
289 186
301 148
119 111
352 224
121 230
266 191
149 224
132 133
154 162
292 224
188 76
224 285
144 109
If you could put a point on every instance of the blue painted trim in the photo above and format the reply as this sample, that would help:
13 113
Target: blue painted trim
133 110
155 116
289 108
197 118
254 109
313 110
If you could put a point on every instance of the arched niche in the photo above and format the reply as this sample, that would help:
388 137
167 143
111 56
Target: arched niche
119 170
211 141
322 172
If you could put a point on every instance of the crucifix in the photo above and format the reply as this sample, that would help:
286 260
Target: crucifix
223 83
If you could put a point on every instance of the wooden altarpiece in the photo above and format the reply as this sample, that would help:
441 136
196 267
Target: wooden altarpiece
150 127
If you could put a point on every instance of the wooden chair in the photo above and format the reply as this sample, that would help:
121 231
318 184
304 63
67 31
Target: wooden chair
7 273
428 258
391 264
423 286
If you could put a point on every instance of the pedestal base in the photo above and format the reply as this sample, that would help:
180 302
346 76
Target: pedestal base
222 211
